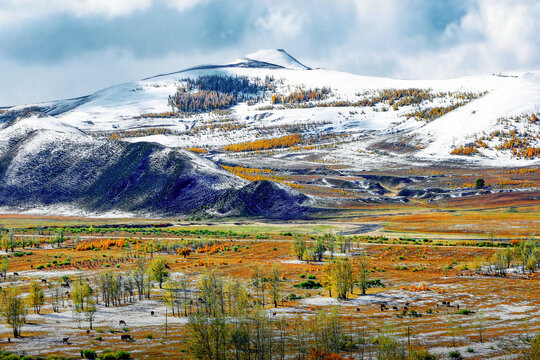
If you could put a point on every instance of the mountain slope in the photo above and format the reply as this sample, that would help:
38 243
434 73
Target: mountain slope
355 109
56 167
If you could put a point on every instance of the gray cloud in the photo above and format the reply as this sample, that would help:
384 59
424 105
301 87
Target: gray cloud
73 48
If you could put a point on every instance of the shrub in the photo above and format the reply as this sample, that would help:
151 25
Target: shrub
40 266
312 277
455 355
465 312
126 329
108 356
293 296
309 284
149 336
374 283
421 355
302 276
470 350
480 183
88 354
27 357
122 354
12 357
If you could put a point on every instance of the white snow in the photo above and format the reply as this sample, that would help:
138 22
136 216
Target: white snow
278 57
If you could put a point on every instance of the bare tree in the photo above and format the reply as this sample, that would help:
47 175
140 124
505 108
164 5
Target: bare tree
480 323
140 278
257 281
363 263
275 283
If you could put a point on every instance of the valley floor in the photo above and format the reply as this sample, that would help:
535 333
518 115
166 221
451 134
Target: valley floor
423 252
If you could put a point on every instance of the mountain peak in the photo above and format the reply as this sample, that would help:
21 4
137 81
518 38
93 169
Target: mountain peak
277 57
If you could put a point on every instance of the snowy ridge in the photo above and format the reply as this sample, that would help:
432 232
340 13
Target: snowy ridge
277 57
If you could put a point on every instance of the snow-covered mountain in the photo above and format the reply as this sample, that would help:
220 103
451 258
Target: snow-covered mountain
468 120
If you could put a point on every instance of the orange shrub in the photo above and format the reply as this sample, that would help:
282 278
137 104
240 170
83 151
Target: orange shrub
100 244
198 150
265 144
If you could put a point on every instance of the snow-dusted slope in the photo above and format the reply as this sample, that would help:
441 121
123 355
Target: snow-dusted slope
126 106
55 165
277 57
519 96
47 166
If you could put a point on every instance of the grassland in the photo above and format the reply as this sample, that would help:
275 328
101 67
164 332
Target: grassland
425 257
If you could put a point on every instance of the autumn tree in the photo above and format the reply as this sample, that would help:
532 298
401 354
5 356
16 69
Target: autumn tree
8 241
59 238
158 270
237 298
4 267
90 309
13 308
327 330
262 335
318 248
36 298
330 242
81 295
298 246
342 278
527 252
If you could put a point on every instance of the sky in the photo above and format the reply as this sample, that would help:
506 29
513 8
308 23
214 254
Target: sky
54 49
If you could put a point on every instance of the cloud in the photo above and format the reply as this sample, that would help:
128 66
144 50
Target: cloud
14 11
101 42
182 5
19 10
282 23
493 36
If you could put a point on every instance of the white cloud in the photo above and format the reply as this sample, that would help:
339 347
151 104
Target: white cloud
182 5
494 36
286 23
18 11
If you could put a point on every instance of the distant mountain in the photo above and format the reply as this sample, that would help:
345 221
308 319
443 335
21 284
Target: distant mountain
277 57
468 120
